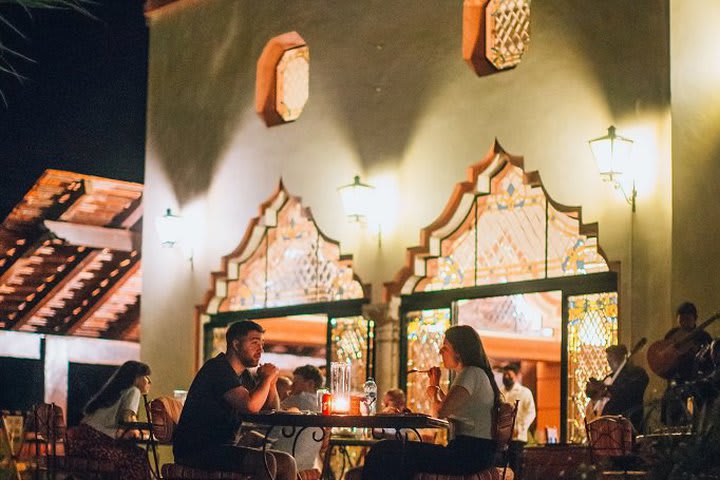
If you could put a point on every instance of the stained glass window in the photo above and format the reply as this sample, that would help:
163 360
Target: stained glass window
569 252
349 344
218 341
592 327
511 234
425 333
455 268
292 264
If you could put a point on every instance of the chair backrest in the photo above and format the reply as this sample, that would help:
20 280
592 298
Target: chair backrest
610 436
47 421
12 428
504 423
165 413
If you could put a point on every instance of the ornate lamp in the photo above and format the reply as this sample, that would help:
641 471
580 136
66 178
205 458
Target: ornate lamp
169 227
356 199
612 155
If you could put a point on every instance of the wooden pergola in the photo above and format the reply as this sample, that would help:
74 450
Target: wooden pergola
70 258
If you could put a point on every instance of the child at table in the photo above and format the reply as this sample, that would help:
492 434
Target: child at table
394 402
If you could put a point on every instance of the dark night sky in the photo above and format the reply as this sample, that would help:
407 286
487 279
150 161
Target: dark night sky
82 107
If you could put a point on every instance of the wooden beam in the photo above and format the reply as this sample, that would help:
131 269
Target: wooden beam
113 285
95 237
48 295
119 327
58 279
130 216
20 251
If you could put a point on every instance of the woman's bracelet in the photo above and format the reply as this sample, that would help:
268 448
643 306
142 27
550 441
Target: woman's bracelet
436 387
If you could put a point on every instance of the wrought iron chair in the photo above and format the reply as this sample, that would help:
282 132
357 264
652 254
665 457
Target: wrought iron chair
612 440
48 437
45 437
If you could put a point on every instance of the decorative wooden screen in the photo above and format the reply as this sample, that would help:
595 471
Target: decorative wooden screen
496 34
500 226
592 327
283 260
525 315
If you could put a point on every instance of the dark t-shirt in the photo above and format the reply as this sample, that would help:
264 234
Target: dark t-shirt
207 420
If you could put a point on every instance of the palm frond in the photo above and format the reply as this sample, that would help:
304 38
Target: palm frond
12 27
6 67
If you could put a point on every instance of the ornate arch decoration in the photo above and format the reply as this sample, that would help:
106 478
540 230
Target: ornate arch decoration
284 259
499 226
286 266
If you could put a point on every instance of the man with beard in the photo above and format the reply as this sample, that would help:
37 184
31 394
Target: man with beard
221 392
512 391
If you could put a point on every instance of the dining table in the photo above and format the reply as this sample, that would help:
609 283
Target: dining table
291 424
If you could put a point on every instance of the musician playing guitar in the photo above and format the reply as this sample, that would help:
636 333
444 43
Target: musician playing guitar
624 394
628 389
685 370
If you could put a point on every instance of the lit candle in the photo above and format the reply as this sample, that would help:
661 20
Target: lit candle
341 404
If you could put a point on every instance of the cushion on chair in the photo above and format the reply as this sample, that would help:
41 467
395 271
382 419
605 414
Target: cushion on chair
173 471
488 474
504 423
165 413
311 474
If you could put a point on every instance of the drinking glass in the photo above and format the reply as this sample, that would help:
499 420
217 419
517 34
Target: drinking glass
340 386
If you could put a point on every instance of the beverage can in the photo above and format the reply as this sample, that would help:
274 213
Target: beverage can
326 407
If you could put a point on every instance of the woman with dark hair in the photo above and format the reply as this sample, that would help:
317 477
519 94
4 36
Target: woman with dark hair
101 435
468 405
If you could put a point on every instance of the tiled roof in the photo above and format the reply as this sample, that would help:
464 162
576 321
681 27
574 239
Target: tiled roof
73 285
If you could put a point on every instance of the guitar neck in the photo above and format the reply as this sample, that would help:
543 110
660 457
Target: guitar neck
698 329
634 350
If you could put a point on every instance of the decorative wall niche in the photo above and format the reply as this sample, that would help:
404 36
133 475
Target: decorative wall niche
496 34
282 81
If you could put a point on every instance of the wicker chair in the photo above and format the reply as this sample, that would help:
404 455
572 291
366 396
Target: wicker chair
612 443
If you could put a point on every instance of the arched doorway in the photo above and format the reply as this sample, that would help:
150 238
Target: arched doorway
526 273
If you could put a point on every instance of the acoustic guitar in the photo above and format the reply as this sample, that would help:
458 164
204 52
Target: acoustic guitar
597 390
665 355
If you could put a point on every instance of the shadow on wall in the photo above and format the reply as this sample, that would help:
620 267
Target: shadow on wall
374 70
197 90
374 65
636 46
